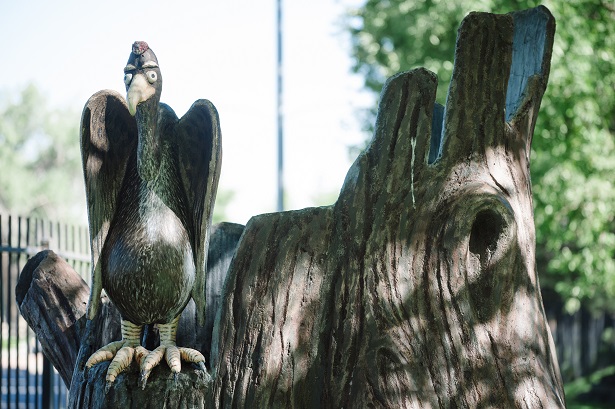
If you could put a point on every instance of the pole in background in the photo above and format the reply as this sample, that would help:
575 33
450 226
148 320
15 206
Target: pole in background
280 181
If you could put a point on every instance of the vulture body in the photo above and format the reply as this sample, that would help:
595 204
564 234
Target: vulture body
151 180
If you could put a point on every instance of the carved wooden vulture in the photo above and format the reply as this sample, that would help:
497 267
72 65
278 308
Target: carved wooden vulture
151 180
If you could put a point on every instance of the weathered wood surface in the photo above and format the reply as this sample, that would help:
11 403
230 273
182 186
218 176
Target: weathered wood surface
52 298
418 288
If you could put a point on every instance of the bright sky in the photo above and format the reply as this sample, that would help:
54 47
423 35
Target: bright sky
224 51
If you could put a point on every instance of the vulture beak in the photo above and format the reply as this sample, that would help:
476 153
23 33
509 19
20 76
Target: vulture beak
140 91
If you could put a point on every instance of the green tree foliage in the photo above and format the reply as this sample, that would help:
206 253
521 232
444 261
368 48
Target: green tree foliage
223 198
573 151
41 164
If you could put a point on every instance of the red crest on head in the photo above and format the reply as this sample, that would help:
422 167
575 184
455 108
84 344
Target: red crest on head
139 47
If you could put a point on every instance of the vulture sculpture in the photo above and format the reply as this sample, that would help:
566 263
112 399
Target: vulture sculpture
150 180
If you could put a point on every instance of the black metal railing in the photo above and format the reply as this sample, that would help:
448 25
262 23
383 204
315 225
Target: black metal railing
28 380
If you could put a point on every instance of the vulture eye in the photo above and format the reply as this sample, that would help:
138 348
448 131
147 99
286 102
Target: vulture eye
127 78
151 76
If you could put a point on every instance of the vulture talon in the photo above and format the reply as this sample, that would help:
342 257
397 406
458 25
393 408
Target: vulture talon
143 379
120 353
140 354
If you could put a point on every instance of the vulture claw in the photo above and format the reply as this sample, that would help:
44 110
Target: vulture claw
143 379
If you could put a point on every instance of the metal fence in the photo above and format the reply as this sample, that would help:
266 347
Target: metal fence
28 379
584 341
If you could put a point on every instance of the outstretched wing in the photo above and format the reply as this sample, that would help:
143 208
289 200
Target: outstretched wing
108 139
200 155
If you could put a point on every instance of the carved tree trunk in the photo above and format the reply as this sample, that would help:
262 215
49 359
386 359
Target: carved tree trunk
418 288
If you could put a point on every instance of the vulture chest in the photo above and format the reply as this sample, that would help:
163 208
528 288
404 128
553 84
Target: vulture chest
148 269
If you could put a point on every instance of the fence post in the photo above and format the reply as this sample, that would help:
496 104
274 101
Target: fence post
47 367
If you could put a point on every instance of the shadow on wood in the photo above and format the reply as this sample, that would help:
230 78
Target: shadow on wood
418 288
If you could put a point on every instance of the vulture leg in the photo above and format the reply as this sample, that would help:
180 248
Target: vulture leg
169 350
120 353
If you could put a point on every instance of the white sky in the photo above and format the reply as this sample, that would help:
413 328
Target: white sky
224 51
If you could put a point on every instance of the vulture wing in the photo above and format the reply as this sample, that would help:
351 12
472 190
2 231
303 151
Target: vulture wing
198 139
108 139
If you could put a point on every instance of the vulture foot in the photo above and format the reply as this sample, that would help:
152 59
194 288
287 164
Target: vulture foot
170 351
120 353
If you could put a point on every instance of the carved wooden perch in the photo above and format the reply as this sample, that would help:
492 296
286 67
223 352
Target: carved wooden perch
418 288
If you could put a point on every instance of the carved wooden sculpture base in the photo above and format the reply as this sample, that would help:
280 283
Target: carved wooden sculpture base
418 288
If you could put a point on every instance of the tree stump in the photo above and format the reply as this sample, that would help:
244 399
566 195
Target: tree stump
418 288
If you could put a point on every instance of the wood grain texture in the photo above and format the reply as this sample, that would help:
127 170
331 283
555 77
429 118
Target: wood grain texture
52 298
422 288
